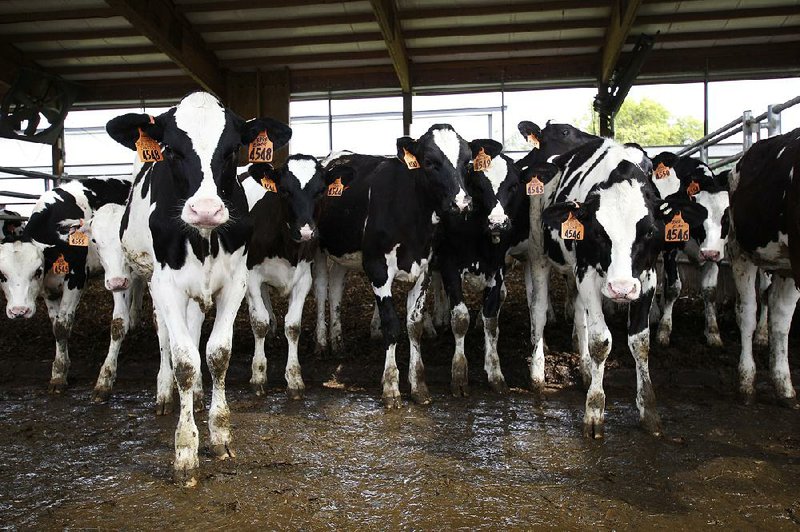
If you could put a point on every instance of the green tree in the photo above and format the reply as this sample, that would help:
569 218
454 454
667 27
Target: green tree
649 123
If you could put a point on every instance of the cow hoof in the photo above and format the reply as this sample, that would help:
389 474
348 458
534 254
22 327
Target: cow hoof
375 334
499 386
337 346
662 338
199 404
537 388
459 389
714 340
222 451
789 402
185 477
392 401
296 394
163 408
101 395
57 387
259 388
747 397
593 429
421 396
651 424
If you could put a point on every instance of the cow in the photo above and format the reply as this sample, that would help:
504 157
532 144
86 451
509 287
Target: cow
605 224
11 228
282 249
393 232
43 261
186 229
765 229
673 174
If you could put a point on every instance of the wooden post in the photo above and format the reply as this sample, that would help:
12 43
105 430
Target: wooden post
274 96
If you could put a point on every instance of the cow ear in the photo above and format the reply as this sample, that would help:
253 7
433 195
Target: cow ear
527 128
278 132
691 211
408 144
259 170
490 147
544 171
125 128
343 172
723 180
556 214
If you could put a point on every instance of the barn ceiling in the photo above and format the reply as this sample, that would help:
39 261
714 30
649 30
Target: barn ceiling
124 51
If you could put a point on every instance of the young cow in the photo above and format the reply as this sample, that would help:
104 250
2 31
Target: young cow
606 227
282 250
187 229
765 209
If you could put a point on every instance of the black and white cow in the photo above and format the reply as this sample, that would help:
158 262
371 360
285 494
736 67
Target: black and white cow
282 248
706 246
186 228
406 197
27 265
605 188
765 233
11 229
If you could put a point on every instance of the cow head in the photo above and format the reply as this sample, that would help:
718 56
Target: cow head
21 277
624 225
693 178
299 183
103 230
200 139
443 158
554 139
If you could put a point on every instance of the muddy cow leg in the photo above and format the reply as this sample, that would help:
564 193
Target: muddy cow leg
540 275
375 324
381 278
639 345
493 297
599 347
744 275
440 303
62 328
672 289
459 324
295 388
336 278
581 332
196 316
321 299
119 328
761 338
165 381
135 296
415 309
259 324
709 282
783 297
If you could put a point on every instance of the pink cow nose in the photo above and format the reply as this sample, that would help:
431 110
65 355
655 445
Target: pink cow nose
116 284
710 254
207 212
18 312
623 289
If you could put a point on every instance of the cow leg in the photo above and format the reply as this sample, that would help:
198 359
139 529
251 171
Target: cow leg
415 308
459 324
62 328
390 325
493 297
259 323
783 297
709 283
761 338
639 345
581 337
744 275
218 356
336 277
672 290
196 316
321 298
119 328
295 388
165 380
540 275
375 324
135 296
599 347
440 303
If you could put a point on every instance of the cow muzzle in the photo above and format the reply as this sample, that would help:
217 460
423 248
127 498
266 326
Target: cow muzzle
206 213
711 254
307 233
497 228
462 204
18 312
117 284
624 290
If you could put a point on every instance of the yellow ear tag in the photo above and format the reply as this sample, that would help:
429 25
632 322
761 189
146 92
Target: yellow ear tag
268 184
535 187
60 266
533 140
482 161
410 160
572 228
677 230
661 171
336 188
148 149
78 238
693 188
260 150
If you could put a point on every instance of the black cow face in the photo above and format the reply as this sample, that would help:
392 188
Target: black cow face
555 139
300 183
443 157
200 141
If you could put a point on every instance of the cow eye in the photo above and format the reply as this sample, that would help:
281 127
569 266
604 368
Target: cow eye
38 273
565 132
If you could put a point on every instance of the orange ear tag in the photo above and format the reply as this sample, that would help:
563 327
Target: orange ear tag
482 161
661 171
693 188
336 188
533 140
148 149
78 238
260 150
535 187
411 161
268 184
572 228
677 230
60 266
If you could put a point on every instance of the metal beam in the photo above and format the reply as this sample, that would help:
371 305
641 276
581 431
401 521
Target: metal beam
159 21
389 22
623 13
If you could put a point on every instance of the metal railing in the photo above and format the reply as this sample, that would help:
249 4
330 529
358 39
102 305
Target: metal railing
748 125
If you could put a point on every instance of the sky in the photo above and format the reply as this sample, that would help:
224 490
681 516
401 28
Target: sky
472 115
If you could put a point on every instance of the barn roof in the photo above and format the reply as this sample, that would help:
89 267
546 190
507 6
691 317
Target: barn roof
124 51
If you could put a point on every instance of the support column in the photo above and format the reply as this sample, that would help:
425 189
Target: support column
275 93
58 158
407 113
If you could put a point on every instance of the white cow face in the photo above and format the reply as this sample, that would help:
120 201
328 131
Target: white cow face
21 277
714 235
103 229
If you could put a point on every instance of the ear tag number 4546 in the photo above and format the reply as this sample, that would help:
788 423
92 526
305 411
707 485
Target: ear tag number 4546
572 228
